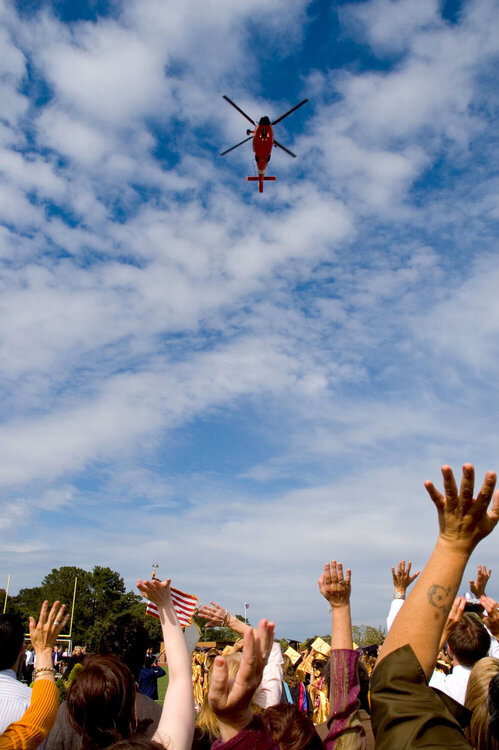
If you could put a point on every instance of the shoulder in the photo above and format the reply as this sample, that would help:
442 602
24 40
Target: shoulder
146 707
62 736
12 688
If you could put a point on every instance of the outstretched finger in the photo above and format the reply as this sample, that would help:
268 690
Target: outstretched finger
467 484
493 512
53 612
42 619
340 572
436 496
217 693
486 492
450 488
348 577
327 573
59 618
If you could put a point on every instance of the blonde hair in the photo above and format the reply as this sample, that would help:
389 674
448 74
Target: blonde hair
477 733
206 719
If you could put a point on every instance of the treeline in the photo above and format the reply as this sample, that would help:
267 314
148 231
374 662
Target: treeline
101 596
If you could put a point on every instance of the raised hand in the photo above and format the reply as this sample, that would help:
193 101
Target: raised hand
491 619
45 632
156 591
215 614
455 615
402 578
464 520
231 700
333 586
477 587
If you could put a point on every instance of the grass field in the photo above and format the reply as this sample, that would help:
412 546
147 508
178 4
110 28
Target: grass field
162 685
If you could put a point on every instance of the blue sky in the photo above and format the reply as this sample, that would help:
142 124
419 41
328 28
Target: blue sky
237 386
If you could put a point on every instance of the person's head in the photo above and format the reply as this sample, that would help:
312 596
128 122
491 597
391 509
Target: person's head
290 728
493 707
126 637
11 640
288 672
101 702
468 640
136 743
479 733
149 661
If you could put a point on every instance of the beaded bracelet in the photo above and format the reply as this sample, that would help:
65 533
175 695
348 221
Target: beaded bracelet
226 619
44 670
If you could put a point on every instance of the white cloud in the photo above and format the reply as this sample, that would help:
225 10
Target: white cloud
149 297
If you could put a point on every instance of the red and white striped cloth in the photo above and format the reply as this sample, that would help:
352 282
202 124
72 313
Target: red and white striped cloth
184 605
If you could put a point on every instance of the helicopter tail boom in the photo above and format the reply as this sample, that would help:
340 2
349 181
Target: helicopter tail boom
260 180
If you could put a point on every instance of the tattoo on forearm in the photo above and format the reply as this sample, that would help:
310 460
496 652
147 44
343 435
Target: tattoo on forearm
438 596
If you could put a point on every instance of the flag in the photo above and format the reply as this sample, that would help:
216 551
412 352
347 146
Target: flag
183 604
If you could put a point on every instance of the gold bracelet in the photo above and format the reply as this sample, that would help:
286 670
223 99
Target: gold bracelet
44 670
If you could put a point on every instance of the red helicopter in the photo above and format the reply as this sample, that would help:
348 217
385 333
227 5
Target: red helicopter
263 140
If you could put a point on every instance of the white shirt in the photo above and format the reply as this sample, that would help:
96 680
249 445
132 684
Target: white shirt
453 684
269 691
14 698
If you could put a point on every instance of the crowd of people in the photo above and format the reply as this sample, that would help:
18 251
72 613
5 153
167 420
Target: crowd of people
433 684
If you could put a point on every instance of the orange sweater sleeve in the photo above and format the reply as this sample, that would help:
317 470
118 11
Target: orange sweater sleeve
36 722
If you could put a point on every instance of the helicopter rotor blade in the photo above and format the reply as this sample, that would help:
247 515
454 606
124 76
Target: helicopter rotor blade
237 145
279 145
293 109
239 109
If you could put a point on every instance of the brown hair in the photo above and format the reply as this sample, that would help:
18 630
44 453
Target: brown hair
101 702
288 672
477 733
290 728
469 640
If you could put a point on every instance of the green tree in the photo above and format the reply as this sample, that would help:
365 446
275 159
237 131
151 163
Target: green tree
218 634
368 635
100 597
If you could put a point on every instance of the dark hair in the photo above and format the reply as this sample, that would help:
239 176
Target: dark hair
493 705
11 639
101 702
149 661
288 672
290 728
137 743
320 665
469 640
126 637
74 659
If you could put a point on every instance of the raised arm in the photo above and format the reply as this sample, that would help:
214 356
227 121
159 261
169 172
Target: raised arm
336 589
269 692
344 723
231 700
176 725
402 579
477 587
463 522
36 722
219 617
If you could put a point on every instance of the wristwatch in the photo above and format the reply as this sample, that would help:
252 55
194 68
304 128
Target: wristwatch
398 595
